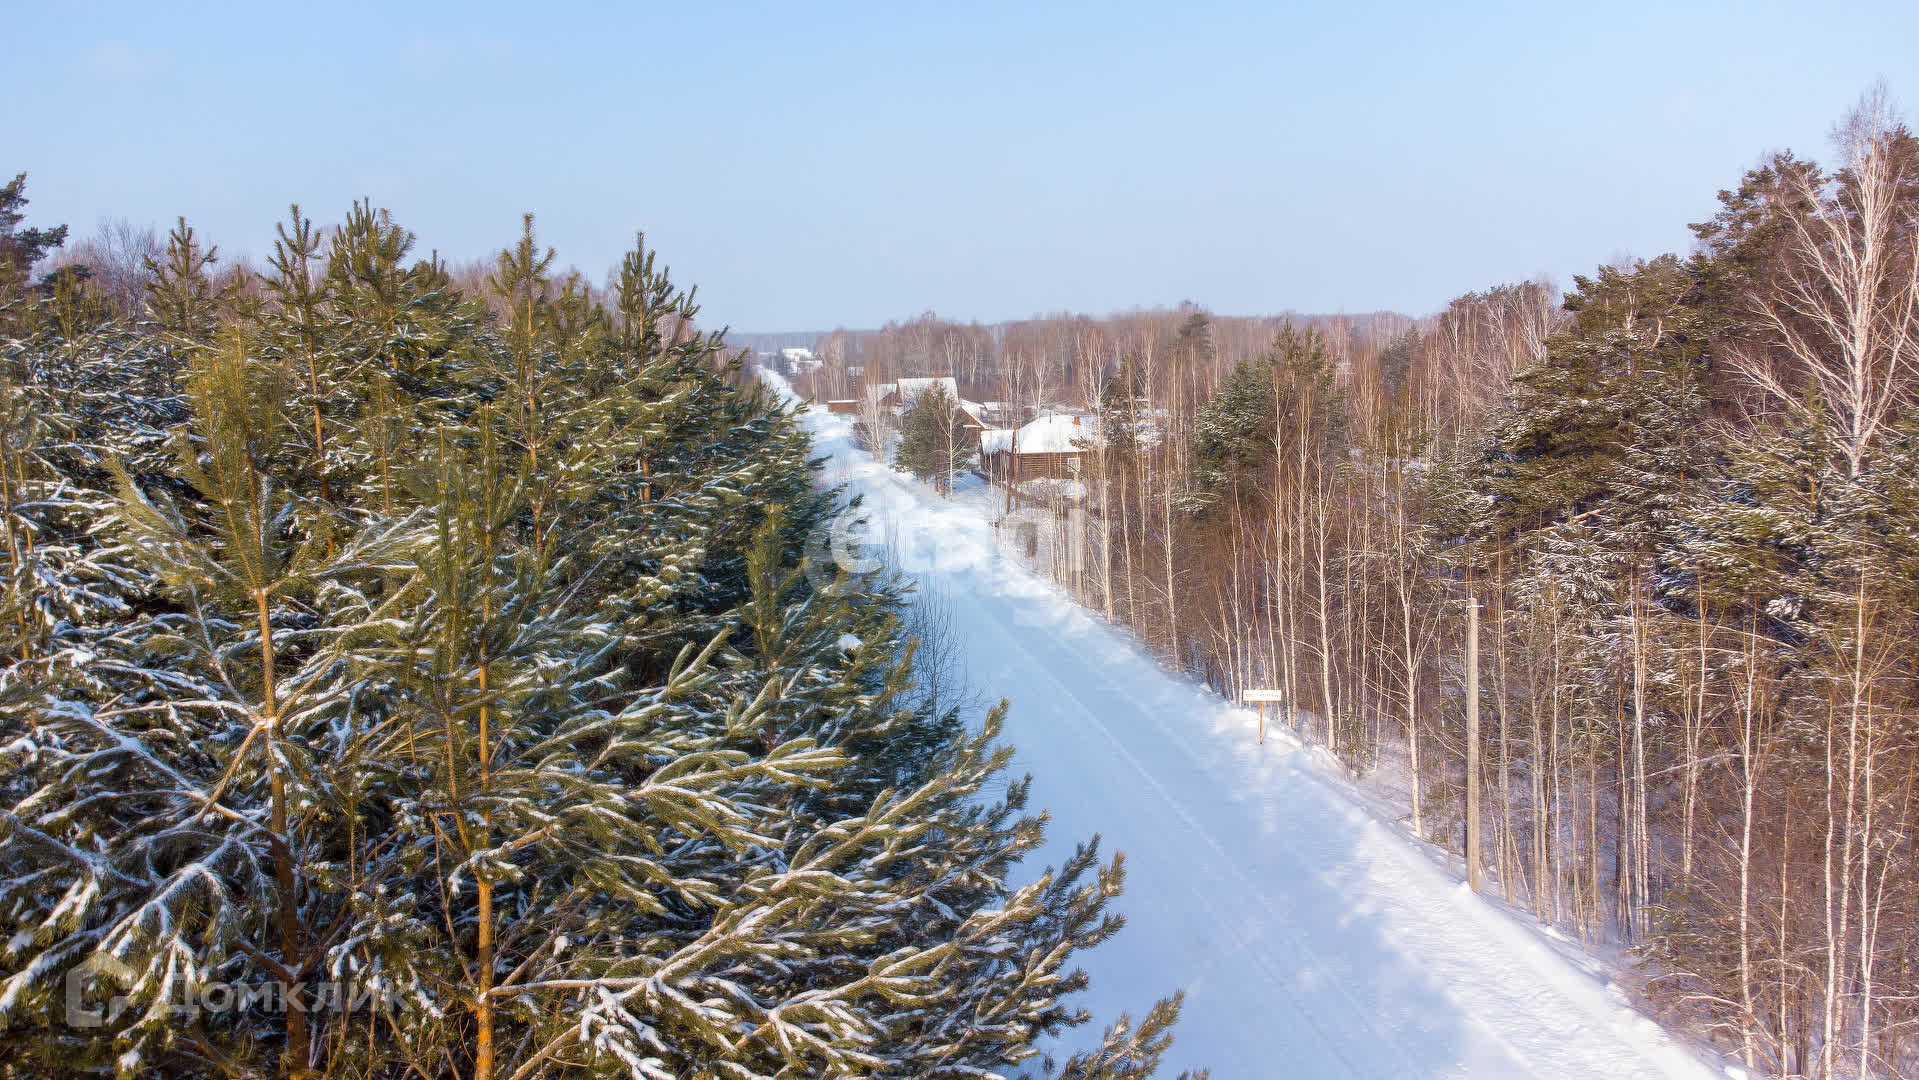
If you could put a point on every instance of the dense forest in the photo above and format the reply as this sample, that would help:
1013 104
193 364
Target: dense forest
409 672
1685 500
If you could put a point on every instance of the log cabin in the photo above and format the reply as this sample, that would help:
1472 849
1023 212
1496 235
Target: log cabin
1052 447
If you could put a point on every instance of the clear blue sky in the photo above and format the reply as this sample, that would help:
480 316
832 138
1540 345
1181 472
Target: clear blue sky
812 165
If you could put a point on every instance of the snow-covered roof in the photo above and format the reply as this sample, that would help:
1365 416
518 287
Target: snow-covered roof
797 354
910 390
1059 433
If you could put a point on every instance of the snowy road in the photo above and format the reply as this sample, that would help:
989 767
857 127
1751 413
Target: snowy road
1313 938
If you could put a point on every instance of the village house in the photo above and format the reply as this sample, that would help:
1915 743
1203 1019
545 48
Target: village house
1054 446
897 397
972 417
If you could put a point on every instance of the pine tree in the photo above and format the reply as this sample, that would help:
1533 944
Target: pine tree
293 327
1232 450
21 248
933 443
1636 345
180 296
459 682
1397 361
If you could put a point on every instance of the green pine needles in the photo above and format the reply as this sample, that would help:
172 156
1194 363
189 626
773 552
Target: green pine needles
399 681
934 444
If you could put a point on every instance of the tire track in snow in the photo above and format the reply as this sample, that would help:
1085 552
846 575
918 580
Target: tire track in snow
1554 1022
1339 1045
1358 1033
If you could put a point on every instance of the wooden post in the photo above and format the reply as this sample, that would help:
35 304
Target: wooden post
1472 743
1012 469
1260 698
1076 528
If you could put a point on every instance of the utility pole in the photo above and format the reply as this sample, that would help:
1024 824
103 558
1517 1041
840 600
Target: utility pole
1472 743
1012 469
1076 530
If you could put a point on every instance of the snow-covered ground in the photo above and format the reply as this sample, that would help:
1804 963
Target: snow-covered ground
1313 937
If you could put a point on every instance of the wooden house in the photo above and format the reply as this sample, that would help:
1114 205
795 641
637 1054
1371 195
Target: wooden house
897 397
1051 447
